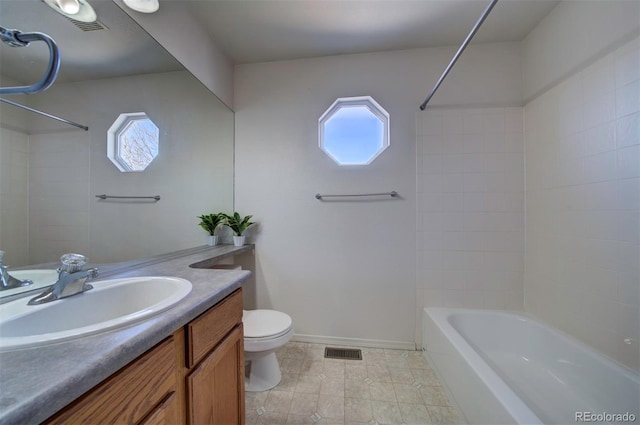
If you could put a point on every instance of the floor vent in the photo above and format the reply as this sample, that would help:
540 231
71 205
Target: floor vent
343 353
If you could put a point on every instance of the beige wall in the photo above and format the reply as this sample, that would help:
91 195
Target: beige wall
346 270
183 36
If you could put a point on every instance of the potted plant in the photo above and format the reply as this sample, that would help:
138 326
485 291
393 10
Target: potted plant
209 222
238 224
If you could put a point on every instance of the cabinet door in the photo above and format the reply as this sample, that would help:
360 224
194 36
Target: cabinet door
165 414
130 394
215 388
208 330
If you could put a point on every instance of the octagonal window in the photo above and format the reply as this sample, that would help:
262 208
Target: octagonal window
354 130
132 142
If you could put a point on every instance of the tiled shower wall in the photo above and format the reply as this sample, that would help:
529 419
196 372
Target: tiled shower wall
470 209
14 187
43 202
583 200
59 197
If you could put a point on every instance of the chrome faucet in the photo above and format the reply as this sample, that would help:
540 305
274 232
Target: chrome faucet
8 281
72 280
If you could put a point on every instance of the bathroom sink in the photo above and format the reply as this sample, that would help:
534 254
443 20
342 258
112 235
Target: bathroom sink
40 278
111 304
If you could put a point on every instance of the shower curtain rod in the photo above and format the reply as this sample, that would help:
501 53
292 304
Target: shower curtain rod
475 29
19 105
15 38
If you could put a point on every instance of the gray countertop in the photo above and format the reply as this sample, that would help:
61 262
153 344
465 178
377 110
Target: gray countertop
35 383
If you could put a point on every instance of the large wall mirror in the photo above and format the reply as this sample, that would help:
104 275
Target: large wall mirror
50 172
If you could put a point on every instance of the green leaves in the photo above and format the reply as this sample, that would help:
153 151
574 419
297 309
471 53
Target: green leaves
209 222
238 223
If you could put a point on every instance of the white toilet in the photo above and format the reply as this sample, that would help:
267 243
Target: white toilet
264 332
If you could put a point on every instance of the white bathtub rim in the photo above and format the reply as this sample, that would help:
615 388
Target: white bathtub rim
520 412
588 349
439 316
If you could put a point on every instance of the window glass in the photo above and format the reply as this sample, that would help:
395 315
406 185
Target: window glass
354 131
132 142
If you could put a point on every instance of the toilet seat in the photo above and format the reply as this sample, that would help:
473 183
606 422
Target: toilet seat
265 331
265 324
270 337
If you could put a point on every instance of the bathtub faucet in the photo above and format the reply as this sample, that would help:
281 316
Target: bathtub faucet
72 280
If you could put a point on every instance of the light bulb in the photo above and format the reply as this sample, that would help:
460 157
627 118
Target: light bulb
144 6
71 7
79 10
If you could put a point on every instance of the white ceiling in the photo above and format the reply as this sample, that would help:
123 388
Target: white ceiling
257 31
122 49
268 30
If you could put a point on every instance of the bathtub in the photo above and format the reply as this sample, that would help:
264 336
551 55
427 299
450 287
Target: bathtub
507 368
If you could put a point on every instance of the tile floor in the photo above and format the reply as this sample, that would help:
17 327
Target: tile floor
385 387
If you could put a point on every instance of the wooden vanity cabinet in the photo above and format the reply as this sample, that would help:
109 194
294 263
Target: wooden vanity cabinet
132 394
215 358
215 388
195 376
165 414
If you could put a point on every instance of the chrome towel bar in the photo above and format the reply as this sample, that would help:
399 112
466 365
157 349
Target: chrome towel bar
157 197
392 194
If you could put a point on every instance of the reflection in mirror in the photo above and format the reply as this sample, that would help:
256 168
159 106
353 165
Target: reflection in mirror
39 277
132 142
50 172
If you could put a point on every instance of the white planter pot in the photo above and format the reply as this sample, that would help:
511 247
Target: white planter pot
212 240
238 240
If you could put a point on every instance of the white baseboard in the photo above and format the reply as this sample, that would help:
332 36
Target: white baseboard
355 342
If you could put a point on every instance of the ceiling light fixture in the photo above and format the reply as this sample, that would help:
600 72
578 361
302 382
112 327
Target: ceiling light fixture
71 7
144 6
79 10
